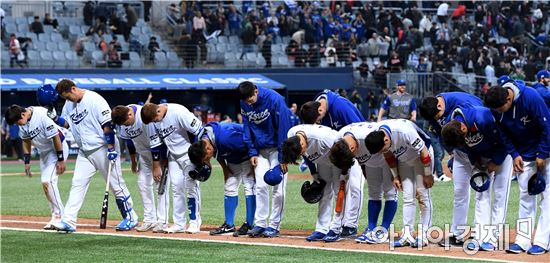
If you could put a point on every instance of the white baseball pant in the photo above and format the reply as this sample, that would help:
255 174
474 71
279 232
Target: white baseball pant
49 179
182 186
147 189
462 171
241 174
331 176
353 201
379 183
267 159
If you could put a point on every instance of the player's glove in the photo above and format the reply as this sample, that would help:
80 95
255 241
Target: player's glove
112 154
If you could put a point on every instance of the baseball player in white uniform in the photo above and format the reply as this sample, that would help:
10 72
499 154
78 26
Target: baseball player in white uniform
131 129
313 142
175 124
89 117
377 172
407 150
35 126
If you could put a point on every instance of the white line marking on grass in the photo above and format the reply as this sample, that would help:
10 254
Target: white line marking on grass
259 244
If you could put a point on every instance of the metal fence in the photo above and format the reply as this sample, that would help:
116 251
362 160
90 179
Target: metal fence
428 84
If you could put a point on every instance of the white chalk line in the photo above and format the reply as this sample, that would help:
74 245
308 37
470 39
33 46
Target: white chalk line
119 234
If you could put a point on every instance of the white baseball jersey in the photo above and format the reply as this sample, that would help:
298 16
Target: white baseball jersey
140 134
319 141
40 129
407 139
86 118
174 127
360 131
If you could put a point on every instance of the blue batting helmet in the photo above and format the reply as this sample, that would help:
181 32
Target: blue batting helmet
503 80
274 176
401 82
543 73
536 184
480 181
201 173
450 164
46 95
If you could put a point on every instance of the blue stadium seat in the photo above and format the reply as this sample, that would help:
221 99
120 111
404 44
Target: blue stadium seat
44 37
250 59
32 36
234 40
63 46
59 59
173 60
20 20
11 28
47 59
160 60
34 59
9 20
220 51
135 60
51 46
48 29
223 39
38 45
73 61
56 37
98 60
5 58
22 28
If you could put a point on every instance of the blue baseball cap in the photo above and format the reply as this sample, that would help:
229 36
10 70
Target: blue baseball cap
46 95
543 74
536 184
274 176
401 82
503 80
480 181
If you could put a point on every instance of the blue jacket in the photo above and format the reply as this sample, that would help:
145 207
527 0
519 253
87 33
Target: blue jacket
266 122
544 92
526 125
452 101
341 111
484 138
229 143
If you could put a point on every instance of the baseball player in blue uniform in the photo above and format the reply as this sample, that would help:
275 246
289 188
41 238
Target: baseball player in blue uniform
523 116
543 85
437 110
130 128
36 127
475 131
176 127
407 151
266 120
225 142
334 111
352 145
89 117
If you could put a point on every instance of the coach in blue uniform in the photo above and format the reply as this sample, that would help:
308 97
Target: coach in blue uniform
334 111
225 142
437 110
266 120
474 129
543 86
523 116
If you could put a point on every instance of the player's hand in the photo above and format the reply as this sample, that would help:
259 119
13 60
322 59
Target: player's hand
491 167
60 167
28 170
284 168
112 154
397 183
428 181
157 173
134 166
518 164
52 114
541 163
254 161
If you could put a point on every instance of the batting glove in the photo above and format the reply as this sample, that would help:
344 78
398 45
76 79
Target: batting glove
112 154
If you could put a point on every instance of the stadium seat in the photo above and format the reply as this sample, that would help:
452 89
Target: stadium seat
260 62
59 59
22 28
11 28
211 53
89 47
39 46
250 59
220 50
234 40
44 37
63 46
56 37
51 46
47 59
173 60
136 32
223 40
9 20
283 61
74 32
73 61
160 60
31 36
48 29
98 60
21 20
135 60
34 59
5 58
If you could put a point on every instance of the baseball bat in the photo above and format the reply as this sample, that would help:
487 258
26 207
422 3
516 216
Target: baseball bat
105 206
162 183
340 197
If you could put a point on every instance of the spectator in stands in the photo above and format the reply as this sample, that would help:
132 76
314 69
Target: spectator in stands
131 17
234 20
113 58
373 46
330 54
16 56
372 107
102 45
36 26
115 43
199 25
48 20
356 99
266 50
25 43
314 55
174 14
300 57
248 37
88 13
153 47
363 69
100 26
442 10
380 74
15 144
394 63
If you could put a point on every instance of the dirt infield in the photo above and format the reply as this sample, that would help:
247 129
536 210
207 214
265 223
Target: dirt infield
289 238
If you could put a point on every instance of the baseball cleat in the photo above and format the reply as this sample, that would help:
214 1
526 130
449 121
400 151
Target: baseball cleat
453 242
315 236
160 228
348 232
243 230
270 232
146 226
174 229
472 246
515 249
332 237
256 231
63 227
418 242
366 238
126 225
486 246
223 229
55 219
536 250
402 242
194 227
444 178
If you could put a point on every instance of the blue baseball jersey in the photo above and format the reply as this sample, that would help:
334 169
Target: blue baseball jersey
228 141
340 112
266 122
526 124
483 138
452 101
544 93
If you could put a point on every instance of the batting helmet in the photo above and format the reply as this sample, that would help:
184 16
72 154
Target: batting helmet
536 184
450 164
201 173
274 176
480 181
313 192
46 95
